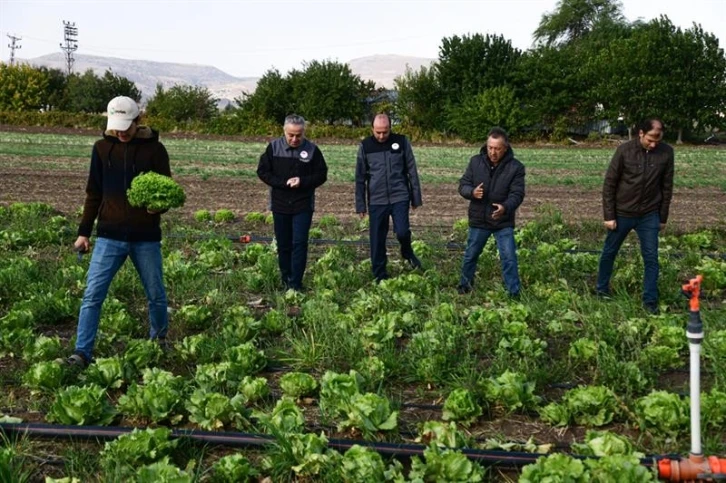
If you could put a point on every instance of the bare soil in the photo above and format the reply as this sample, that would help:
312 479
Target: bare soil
64 190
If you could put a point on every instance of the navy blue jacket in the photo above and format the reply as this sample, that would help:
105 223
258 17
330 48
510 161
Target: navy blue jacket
385 173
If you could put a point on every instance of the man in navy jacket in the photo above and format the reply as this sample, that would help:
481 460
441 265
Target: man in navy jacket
494 184
386 184
293 167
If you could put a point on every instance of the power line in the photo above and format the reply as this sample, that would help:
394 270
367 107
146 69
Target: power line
70 32
12 46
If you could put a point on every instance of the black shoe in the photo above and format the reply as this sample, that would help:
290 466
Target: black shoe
75 361
414 262
464 289
605 295
651 308
381 278
515 296
164 344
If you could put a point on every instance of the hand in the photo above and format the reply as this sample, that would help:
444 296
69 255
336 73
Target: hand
413 207
82 244
499 212
362 215
478 192
293 182
662 227
611 225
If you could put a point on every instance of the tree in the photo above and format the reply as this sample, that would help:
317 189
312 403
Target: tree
573 20
272 98
21 87
663 71
112 85
470 64
497 106
420 100
84 93
182 103
54 95
329 92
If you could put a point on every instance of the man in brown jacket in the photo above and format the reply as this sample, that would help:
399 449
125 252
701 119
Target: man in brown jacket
637 196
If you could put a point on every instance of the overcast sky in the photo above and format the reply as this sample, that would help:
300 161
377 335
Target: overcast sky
246 38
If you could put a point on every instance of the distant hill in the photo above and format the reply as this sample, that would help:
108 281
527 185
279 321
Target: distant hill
381 69
146 74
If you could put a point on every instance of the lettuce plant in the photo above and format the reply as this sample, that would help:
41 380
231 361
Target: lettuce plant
155 191
233 468
461 407
44 376
82 406
212 410
159 398
369 413
444 465
121 457
298 384
362 465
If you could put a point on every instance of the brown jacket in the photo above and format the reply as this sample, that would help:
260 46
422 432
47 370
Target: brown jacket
113 165
638 182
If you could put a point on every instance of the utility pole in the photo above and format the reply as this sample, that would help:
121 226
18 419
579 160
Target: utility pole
70 32
12 46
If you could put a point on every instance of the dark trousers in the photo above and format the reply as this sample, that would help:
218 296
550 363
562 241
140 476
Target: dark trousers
291 233
379 215
647 228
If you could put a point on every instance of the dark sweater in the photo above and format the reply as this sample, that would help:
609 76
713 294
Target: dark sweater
113 166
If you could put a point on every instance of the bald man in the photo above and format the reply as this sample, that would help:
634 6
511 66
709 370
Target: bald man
386 185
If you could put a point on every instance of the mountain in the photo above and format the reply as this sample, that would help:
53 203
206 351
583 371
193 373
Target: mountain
146 74
381 69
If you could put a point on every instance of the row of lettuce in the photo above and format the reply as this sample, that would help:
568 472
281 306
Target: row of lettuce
347 347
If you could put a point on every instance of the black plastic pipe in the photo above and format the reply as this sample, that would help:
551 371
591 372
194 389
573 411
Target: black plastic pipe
502 459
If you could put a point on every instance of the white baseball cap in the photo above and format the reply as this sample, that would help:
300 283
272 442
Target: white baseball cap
122 111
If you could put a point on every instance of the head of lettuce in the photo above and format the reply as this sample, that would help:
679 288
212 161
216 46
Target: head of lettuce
155 192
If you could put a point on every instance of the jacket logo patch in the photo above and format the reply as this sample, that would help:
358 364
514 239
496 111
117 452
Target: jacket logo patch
304 156
395 146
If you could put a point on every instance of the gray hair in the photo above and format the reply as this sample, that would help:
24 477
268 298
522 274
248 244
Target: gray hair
295 120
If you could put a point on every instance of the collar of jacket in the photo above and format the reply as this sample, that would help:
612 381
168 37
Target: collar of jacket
144 134
505 159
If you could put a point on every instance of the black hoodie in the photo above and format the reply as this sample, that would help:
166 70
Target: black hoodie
503 185
113 165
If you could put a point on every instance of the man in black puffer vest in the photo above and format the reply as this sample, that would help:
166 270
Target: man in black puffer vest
293 167
494 182
386 184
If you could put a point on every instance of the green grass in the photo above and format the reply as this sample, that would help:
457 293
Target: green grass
696 167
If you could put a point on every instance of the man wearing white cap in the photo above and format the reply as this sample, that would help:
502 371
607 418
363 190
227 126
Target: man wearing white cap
123 231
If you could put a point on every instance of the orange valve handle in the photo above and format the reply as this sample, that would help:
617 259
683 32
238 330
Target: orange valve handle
695 468
693 290
245 239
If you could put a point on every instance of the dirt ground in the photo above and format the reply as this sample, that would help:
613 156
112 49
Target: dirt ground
64 190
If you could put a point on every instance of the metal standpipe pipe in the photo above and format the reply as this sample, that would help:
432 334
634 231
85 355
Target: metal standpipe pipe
696 467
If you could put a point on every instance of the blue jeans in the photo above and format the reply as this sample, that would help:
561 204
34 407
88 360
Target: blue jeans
106 260
379 224
647 228
507 254
291 233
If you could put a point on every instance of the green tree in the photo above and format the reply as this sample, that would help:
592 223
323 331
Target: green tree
84 93
663 71
497 106
573 20
112 85
420 101
21 87
55 91
182 103
271 100
329 92
469 64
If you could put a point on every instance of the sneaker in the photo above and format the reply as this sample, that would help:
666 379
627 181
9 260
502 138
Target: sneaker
75 360
414 262
605 295
514 296
464 289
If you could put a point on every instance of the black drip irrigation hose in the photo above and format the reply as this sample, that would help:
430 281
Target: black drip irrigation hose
501 459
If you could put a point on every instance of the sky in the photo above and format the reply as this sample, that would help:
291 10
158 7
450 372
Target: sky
247 38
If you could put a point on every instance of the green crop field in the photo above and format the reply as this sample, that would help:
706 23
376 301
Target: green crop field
311 379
